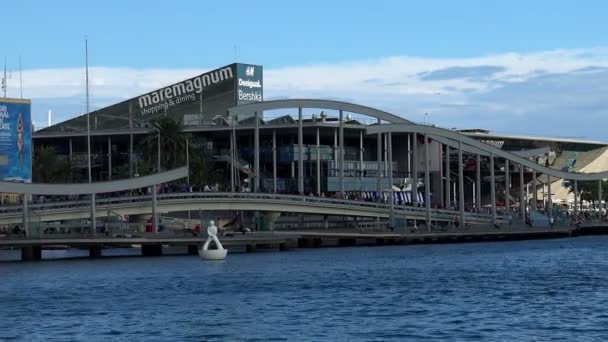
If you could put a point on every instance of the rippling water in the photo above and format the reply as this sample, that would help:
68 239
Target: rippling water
517 291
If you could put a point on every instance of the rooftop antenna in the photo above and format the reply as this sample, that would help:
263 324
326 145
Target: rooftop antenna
5 78
235 56
20 80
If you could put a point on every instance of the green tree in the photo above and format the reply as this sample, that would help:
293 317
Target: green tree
172 144
49 167
588 190
203 170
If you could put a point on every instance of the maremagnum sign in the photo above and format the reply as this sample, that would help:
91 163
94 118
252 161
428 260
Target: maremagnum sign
197 101
162 99
244 79
15 140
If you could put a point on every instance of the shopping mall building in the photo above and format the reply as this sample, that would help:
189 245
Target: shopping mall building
308 146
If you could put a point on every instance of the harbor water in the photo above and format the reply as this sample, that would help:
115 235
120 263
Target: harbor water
509 291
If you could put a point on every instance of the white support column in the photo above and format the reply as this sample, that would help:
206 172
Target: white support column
188 166
391 200
522 198
415 169
361 160
441 175
534 192
300 153
336 148
274 161
26 215
575 198
385 154
448 187
549 200
599 194
109 157
409 154
256 154
154 191
154 209
378 161
232 161
427 182
493 188
460 185
93 214
341 153
318 162
478 182
507 186
130 142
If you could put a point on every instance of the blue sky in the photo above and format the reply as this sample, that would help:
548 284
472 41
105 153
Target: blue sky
501 65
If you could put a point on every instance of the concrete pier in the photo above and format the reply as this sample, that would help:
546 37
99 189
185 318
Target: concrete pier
31 253
193 249
95 251
152 250
152 245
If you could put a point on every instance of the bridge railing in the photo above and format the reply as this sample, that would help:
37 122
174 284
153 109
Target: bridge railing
114 202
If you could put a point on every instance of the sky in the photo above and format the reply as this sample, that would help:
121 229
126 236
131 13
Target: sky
528 67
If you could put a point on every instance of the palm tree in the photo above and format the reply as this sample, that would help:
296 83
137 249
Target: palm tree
172 143
49 167
203 170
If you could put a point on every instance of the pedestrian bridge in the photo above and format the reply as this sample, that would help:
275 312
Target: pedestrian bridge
210 201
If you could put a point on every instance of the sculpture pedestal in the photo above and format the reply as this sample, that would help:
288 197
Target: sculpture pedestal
213 254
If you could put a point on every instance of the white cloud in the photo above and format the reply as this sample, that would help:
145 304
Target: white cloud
559 92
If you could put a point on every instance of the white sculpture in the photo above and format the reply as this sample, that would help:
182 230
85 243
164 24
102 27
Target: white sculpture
212 254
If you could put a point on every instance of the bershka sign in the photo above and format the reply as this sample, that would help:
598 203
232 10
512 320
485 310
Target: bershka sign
162 99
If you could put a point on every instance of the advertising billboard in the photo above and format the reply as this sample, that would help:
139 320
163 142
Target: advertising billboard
15 140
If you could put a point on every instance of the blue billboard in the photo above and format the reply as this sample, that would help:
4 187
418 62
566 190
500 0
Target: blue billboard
15 140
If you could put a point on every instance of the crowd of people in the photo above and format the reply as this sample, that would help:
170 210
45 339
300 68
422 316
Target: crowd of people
12 231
